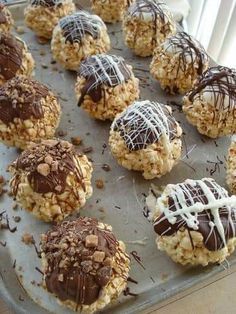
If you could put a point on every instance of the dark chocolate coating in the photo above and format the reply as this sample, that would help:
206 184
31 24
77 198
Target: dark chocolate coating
100 72
11 54
62 163
83 278
211 237
46 3
21 98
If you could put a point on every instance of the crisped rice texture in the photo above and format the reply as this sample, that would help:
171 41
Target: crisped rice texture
231 167
27 64
51 206
180 249
153 161
208 120
117 283
144 36
6 27
22 132
168 70
42 20
111 11
114 99
70 55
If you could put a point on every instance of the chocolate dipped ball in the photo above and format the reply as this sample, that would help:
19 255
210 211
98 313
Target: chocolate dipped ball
146 137
84 265
231 166
6 20
111 11
105 86
78 36
211 104
196 222
178 63
29 112
51 180
146 24
15 59
43 15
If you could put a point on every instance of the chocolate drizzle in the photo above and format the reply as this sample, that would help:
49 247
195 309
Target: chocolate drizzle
202 206
46 3
11 54
79 254
189 51
21 98
143 123
76 26
48 165
100 71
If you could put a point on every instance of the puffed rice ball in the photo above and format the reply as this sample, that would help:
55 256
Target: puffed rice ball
111 11
29 112
51 180
6 20
146 137
78 36
15 59
231 166
196 222
85 267
178 62
146 24
41 16
105 86
211 104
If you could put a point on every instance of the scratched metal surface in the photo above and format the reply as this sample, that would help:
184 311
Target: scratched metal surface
123 197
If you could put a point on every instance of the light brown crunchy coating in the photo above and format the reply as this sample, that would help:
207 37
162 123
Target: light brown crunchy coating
6 20
71 43
51 180
231 166
146 25
178 62
29 112
114 99
43 19
111 11
85 256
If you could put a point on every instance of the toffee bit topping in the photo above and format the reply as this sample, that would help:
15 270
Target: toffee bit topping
143 123
79 255
48 165
99 70
11 54
77 25
21 98
189 51
3 17
200 205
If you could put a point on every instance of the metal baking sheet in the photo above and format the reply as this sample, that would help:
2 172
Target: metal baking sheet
122 199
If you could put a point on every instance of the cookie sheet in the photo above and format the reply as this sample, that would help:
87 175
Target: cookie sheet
121 203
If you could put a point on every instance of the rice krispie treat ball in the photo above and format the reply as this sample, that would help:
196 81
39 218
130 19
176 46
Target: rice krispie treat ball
6 20
147 23
211 104
78 36
43 15
231 166
146 137
51 180
178 62
29 111
15 59
105 86
196 222
111 11
84 265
